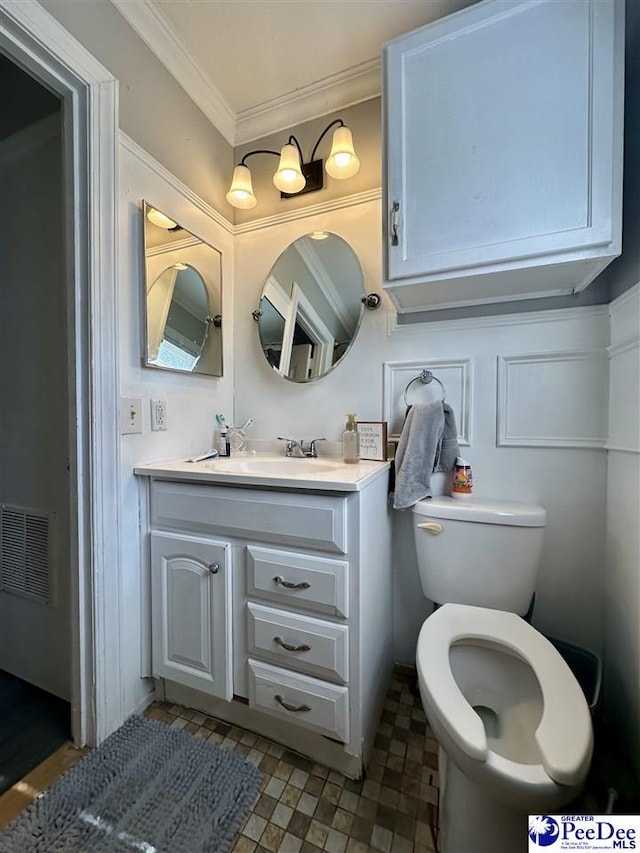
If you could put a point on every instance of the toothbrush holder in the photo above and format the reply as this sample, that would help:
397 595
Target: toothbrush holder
237 440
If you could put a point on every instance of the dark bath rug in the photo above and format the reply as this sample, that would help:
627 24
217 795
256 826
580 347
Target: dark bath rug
33 724
147 789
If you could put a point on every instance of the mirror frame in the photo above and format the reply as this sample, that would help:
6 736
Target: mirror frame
212 282
297 310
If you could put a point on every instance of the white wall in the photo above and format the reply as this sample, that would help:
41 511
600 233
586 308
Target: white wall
34 427
192 401
622 576
568 481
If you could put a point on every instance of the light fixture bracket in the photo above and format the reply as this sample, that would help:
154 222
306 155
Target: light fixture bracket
314 176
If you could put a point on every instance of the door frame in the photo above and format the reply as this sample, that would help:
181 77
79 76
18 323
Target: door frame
34 40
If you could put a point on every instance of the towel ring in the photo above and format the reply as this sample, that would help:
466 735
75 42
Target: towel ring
426 377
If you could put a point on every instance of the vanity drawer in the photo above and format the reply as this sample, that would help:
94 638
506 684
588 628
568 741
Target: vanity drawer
306 701
314 583
299 519
301 642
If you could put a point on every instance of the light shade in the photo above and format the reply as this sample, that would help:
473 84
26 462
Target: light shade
241 193
342 162
289 177
160 219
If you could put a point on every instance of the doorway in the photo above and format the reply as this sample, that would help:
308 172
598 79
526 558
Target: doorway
35 559
33 40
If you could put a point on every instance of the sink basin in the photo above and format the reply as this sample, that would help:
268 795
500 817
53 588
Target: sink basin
276 467
270 471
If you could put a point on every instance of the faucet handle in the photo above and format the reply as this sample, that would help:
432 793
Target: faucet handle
312 445
291 443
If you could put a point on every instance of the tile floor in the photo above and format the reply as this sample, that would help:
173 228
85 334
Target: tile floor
304 807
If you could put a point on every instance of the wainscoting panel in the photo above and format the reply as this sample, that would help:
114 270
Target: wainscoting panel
455 375
556 399
624 361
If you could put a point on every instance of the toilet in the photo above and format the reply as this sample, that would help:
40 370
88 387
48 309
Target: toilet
513 725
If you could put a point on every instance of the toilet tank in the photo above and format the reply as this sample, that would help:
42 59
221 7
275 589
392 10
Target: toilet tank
480 552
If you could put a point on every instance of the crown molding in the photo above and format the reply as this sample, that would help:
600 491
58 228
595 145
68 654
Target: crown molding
333 93
156 32
336 92
305 212
187 243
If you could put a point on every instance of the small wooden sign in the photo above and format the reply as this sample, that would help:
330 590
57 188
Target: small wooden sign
373 440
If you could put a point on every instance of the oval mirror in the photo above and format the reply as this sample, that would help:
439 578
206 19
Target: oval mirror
311 307
178 318
183 322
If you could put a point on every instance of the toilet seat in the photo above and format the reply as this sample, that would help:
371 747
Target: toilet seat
564 734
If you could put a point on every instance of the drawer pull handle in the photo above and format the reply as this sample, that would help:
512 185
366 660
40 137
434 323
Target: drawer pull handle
214 568
289 707
289 647
291 584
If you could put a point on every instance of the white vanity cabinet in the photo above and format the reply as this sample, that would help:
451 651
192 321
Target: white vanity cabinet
272 606
503 152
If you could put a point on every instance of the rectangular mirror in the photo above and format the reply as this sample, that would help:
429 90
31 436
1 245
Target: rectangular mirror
183 291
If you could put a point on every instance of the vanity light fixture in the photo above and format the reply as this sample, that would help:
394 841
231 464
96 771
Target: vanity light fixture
293 176
319 235
160 219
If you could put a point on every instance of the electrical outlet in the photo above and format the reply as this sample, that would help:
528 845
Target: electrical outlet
158 415
130 415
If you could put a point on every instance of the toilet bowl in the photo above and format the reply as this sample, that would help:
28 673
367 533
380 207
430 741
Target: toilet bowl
513 724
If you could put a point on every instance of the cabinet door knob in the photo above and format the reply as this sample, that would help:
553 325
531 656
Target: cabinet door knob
289 707
291 584
214 568
394 219
291 648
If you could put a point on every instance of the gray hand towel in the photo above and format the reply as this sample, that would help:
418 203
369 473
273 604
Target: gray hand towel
418 450
448 450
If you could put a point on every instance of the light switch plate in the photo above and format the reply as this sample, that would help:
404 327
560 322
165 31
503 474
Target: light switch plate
130 415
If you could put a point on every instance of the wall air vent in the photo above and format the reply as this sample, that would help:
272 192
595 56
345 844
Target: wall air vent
25 555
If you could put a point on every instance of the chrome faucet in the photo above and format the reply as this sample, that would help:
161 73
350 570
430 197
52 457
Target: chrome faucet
307 449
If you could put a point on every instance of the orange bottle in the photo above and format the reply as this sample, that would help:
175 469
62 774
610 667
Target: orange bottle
462 479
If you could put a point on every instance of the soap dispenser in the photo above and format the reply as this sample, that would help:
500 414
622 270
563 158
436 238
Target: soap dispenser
351 440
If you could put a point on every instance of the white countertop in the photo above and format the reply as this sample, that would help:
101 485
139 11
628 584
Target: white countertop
271 470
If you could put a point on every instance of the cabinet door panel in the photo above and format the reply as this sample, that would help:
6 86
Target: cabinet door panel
503 143
478 157
191 603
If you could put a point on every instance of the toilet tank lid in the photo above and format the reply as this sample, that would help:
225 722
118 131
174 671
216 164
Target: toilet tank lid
483 511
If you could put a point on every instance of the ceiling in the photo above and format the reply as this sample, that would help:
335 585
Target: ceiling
255 67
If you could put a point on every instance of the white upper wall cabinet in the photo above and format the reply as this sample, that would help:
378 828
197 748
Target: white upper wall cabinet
503 152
